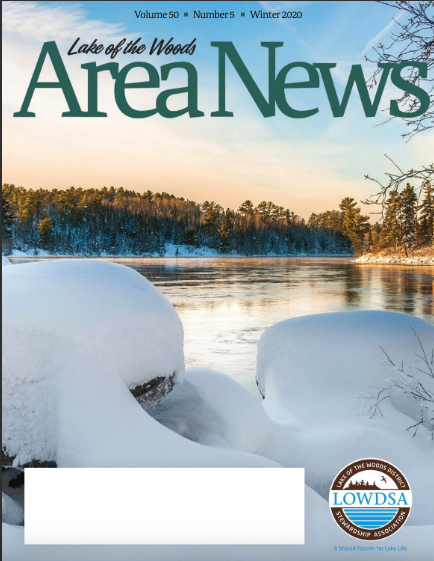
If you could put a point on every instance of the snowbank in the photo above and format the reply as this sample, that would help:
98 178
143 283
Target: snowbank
313 371
322 535
211 408
100 424
12 512
335 355
420 257
5 261
54 314
173 250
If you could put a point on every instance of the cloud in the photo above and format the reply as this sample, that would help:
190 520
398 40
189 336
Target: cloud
42 22
381 34
288 23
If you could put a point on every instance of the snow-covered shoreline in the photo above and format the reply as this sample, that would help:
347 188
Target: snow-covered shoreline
395 260
181 251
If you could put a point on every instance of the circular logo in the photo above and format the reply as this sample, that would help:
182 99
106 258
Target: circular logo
370 499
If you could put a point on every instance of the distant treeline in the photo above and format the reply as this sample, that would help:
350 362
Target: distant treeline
91 222
120 222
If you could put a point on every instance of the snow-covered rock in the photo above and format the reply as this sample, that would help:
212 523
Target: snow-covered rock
338 355
314 370
57 312
5 261
13 483
211 408
78 337
12 512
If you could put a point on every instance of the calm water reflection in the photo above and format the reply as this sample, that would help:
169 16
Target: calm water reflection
226 304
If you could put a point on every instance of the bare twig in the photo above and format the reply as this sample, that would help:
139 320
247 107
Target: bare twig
404 385
397 178
413 41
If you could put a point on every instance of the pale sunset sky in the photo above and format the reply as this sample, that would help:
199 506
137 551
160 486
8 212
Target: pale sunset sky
307 165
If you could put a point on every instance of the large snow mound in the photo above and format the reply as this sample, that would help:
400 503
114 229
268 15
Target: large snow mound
57 312
5 261
314 372
336 356
78 335
211 408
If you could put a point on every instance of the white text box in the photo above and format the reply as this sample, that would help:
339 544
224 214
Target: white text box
164 506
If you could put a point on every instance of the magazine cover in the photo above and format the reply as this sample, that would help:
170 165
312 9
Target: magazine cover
218 281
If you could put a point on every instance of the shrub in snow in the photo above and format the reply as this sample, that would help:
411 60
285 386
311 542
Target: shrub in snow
211 408
415 386
57 312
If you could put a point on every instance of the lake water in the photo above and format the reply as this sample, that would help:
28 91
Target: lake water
226 304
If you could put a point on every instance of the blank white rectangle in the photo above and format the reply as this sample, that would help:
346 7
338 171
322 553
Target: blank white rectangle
172 506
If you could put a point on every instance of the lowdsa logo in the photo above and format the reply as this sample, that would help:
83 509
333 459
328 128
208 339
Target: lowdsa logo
370 499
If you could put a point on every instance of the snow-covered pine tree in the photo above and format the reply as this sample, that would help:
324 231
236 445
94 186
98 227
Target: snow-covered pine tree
426 217
46 233
7 220
161 245
407 218
354 224
357 228
390 235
